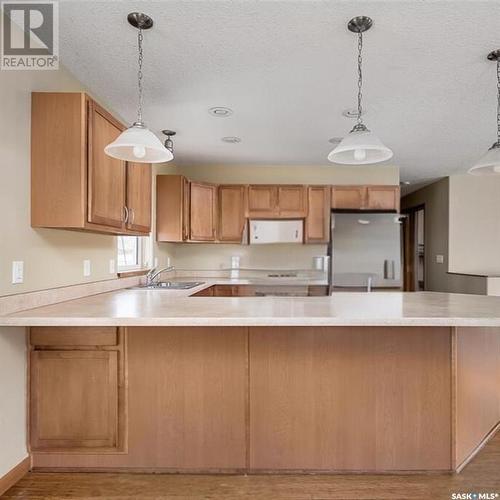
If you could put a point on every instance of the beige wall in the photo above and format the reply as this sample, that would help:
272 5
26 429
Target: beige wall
474 231
291 256
435 197
284 174
13 398
51 257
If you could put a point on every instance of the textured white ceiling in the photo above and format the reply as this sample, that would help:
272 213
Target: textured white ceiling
287 69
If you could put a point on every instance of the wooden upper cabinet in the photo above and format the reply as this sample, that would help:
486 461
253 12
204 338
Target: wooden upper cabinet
376 198
74 400
202 208
382 198
262 201
139 179
172 208
276 201
197 211
292 201
317 227
232 211
74 184
106 175
348 197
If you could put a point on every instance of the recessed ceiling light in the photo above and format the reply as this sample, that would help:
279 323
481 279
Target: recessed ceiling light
404 183
220 111
231 139
352 113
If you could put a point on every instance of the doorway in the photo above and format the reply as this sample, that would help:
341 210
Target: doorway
414 249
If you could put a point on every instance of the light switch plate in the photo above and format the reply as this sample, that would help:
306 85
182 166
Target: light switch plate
17 272
86 267
439 259
112 266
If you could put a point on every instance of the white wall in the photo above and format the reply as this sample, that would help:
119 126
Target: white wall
474 232
13 398
214 256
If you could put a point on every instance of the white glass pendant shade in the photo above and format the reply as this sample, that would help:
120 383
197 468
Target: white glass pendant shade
488 164
138 144
360 147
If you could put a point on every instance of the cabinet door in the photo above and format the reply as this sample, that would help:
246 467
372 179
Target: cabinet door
139 197
224 291
203 198
172 208
383 198
262 201
231 213
318 216
74 399
348 197
292 201
106 175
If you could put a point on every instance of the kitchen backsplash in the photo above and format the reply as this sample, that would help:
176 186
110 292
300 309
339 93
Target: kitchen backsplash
208 256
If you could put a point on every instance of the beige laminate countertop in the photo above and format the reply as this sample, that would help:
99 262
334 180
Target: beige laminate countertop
176 308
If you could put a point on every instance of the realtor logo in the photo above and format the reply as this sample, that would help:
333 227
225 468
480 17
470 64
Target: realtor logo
30 35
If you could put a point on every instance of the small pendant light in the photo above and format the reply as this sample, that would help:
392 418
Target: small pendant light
360 146
138 143
169 143
489 164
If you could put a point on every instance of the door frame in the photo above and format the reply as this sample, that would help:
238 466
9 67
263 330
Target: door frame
409 246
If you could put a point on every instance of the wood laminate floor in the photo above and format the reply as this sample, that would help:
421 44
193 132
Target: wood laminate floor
482 475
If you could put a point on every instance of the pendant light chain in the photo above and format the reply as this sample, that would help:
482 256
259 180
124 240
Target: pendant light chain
139 75
360 76
498 103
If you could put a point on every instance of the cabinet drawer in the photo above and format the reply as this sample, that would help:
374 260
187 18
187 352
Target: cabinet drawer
73 336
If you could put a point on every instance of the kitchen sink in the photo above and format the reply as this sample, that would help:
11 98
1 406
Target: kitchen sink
169 285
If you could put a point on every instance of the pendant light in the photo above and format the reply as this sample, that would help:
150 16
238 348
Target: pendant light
138 143
489 164
169 143
360 146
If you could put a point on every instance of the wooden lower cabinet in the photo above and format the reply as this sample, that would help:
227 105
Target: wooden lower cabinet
264 399
74 399
77 390
365 399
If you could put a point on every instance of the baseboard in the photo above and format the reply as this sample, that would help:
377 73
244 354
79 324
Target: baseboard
478 448
14 475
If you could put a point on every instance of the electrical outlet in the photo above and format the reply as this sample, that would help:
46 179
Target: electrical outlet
86 267
439 259
168 261
112 266
17 272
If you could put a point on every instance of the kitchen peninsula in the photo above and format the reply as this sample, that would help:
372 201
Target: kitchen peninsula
165 381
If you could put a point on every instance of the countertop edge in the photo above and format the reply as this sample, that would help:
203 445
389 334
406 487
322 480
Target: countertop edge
248 322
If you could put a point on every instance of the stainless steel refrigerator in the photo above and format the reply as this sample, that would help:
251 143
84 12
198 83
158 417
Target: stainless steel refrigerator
365 252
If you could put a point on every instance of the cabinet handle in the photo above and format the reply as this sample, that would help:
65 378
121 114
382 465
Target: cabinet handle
125 214
132 215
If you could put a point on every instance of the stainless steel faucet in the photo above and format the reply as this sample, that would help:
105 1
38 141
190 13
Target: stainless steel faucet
154 273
